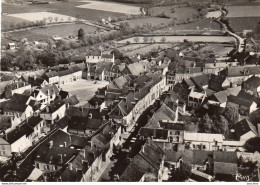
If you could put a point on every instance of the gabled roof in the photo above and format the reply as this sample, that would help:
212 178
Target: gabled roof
72 100
83 123
65 72
163 113
51 74
136 69
16 103
18 132
64 94
240 101
153 154
33 121
253 81
225 157
201 80
17 85
51 89
53 107
32 74
132 173
244 126
156 133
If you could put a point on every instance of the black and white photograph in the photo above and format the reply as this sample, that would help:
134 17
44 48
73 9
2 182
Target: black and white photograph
130 91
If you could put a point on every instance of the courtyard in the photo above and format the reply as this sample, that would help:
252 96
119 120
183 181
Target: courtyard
83 89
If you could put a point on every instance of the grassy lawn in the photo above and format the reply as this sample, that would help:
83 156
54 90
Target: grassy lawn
148 48
49 31
83 89
238 24
155 21
180 14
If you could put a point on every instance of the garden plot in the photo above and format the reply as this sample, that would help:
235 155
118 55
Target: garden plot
111 7
38 16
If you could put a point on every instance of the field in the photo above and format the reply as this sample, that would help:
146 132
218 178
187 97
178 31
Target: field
180 14
218 39
148 48
63 8
112 7
215 14
83 89
238 24
36 16
243 11
219 49
49 31
155 21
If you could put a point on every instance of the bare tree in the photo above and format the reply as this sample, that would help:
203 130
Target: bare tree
163 39
136 39
50 19
56 19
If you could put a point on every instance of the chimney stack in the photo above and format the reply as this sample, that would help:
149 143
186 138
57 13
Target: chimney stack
47 109
65 144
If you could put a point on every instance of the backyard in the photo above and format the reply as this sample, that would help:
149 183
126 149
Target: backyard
83 89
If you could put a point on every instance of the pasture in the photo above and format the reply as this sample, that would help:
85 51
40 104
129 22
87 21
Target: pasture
47 32
154 21
238 24
177 39
83 89
180 14
220 50
111 7
243 11
147 48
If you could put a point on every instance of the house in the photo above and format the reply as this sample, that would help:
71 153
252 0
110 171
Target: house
135 69
31 75
38 82
76 72
244 130
225 163
196 99
198 159
17 140
85 124
57 151
163 114
150 159
220 98
53 112
61 124
170 77
252 86
37 124
201 82
93 59
11 46
18 107
16 87
46 94
65 76
217 83
244 106
52 77
187 73
203 141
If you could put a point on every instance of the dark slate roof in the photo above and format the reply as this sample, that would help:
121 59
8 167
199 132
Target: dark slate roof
51 74
189 70
17 85
84 112
244 126
52 89
54 106
18 132
239 101
64 94
72 100
244 95
132 173
153 154
201 80
96 101
107 56
61 124
6 77
16 103
172 126
83 123
33 121
253 81
225 157
37 82
65 72
74 68
242 70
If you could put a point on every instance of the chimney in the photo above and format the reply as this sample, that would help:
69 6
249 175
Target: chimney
48 92
51 144
83 152
24 84
34 77
81 109
65 144
189 70
142 148
17 86
47 109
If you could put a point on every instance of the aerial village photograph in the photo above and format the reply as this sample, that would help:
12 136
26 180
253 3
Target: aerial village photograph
130 91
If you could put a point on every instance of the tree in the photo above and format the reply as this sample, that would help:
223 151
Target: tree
145 39
180 174
50 19
56 19
232 115
252 144
163 39
136 39
81 34
205 124
6 62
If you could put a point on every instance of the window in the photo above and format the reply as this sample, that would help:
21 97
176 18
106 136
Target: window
48 167
3 152
55 167
37 165
3 147
204 146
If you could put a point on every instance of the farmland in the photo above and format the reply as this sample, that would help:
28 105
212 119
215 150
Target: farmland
219 39
154 21
180 14
46 32
147 48
243 11
219 49
238 24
